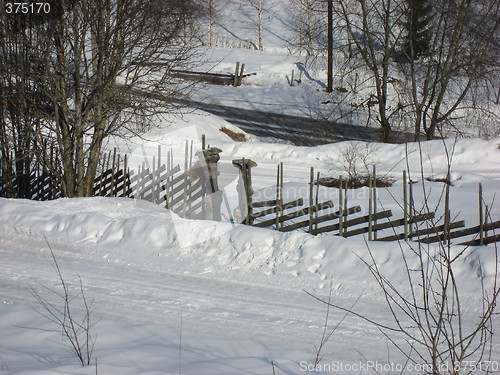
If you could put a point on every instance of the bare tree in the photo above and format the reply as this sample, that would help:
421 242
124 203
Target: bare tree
76 328
430 317
329 78
20 99
463 57
211 14
97 70
258 6
372 28
431 91
307 19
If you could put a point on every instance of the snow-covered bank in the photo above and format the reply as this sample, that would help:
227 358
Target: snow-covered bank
205 297
126 232
231 304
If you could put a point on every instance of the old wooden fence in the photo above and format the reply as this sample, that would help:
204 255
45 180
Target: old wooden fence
194 193
190 193
235 79
378 225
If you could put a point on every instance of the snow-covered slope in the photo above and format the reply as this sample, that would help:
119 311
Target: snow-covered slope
173 296
217 298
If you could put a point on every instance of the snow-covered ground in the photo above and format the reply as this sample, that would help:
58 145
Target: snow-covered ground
214 298
270 89
173 296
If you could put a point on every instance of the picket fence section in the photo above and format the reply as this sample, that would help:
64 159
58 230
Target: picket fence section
189 193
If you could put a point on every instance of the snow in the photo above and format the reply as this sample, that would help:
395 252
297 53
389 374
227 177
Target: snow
176 296
270 90
214 297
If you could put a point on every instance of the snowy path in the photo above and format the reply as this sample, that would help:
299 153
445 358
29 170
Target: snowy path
300 131
231 309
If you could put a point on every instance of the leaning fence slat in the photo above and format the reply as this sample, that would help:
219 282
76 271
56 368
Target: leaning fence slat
486 241
392 224
463 232
336 215
315 221
263 204
293 215
190 190
422 232
349 223
307 210
269 211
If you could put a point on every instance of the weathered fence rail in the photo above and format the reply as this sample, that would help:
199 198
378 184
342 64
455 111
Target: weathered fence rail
213 78
462 233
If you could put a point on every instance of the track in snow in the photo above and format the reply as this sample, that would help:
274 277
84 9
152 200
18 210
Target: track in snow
227 308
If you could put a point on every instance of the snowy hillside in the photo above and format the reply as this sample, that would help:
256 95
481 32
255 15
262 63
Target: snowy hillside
199 297
202 297
290 82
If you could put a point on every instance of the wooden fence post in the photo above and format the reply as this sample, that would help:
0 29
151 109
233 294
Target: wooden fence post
117 175
126 177
316 201
245 190
481 216
345 207
405 206
244 174
370 208
236 73
186 199
279 195
487 214
191 154
446 230
214 202
112 186
341 207
167 184
311 197
411 205
375 200
240 76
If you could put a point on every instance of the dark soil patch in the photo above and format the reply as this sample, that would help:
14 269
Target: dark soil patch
444 180
238 137
355 182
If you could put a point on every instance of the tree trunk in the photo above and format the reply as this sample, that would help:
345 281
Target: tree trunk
211 16
329 86
261 26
